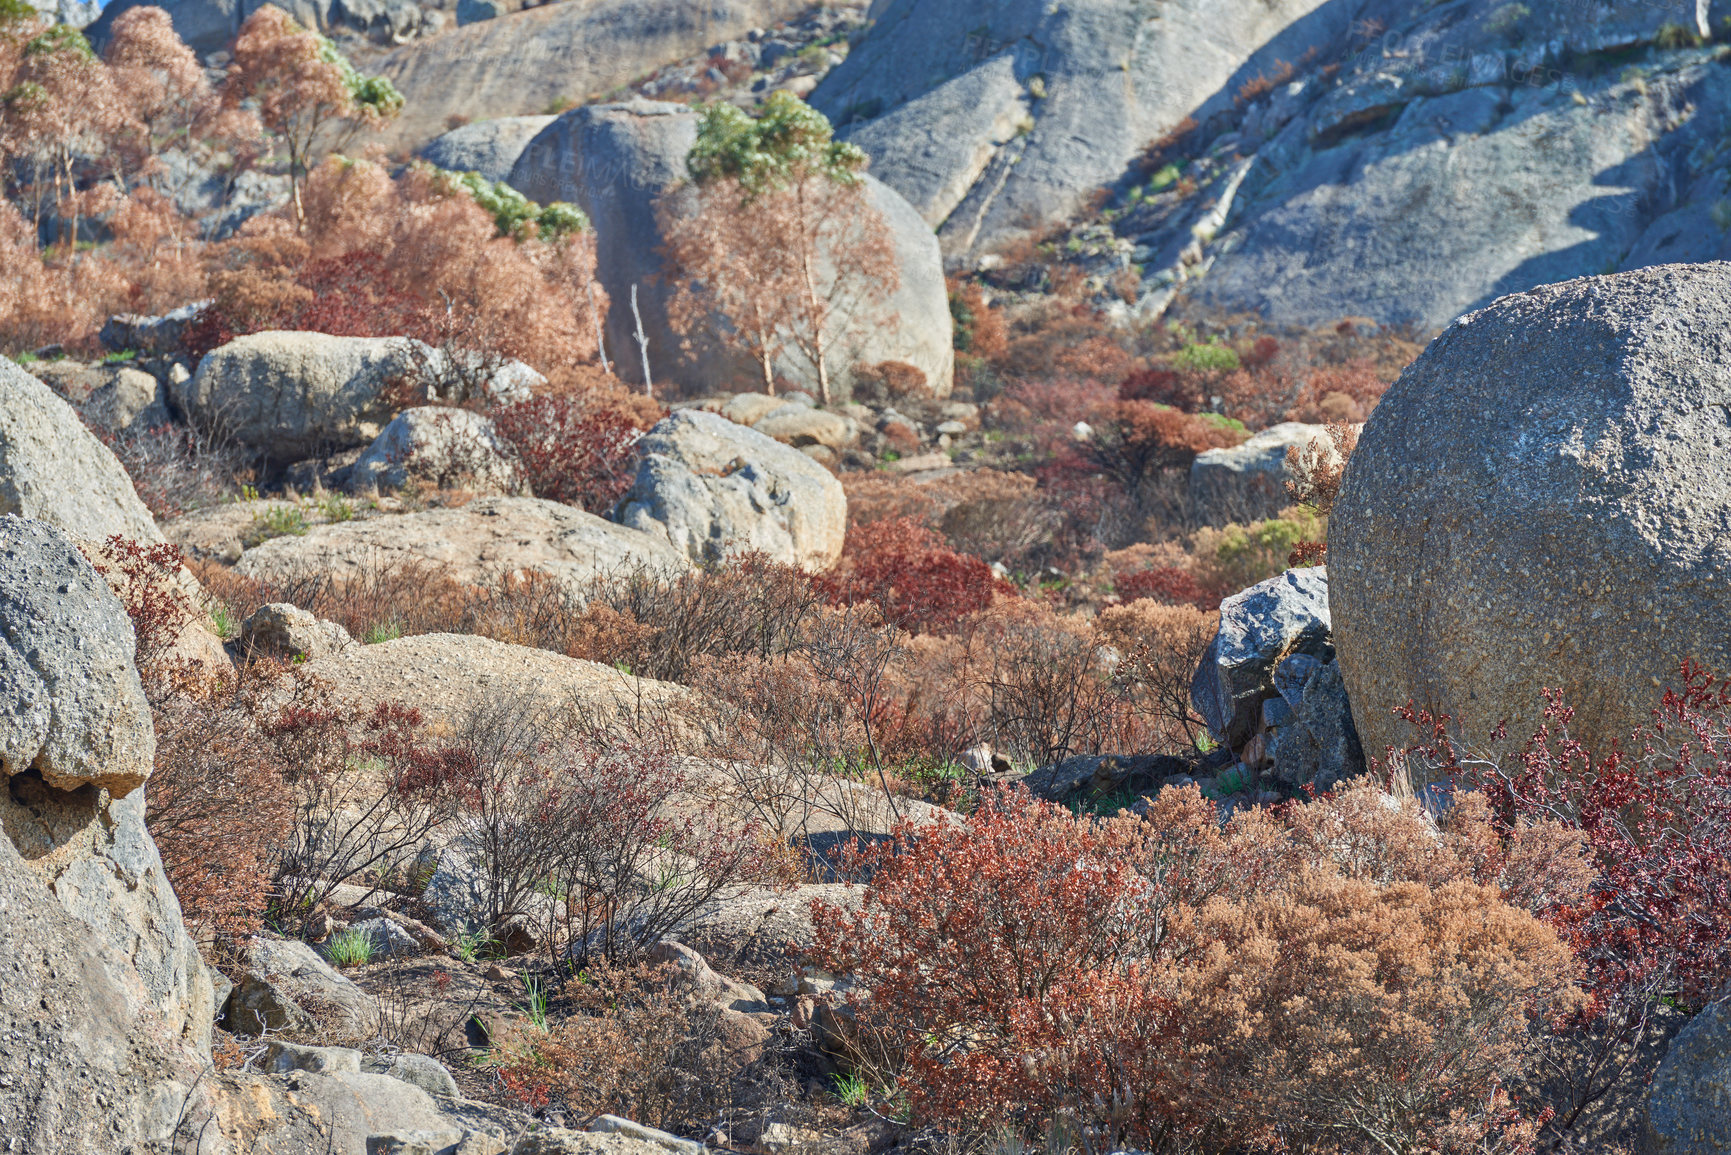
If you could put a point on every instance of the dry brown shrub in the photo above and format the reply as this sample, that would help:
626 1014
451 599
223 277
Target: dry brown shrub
1162 646
875 497
217 805
625 1043
1346 985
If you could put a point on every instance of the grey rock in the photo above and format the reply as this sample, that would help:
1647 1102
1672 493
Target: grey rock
1548 472
387 936
55 470
75 713
81 1030
211 25
281 1057
152 336
473 12
445 447
78 13
520 65
106 998
1317 745
1689 1103
710 487
936 147
1247 482
349 1113
128 402
476 543
294 633
297 395
421 1071
1259 628
1189 59
456 894
613 1124
616 160
286 987
1371 200
489 147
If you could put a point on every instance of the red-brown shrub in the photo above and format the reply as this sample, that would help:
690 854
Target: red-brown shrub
1172 985
1166 584
1654 815
572 450
915 580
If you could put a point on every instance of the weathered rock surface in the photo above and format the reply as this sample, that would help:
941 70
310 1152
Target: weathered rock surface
1368 191
1247 482
297 395
444 447
1544 480
482 540
447 675
150 335
1259 629
1689 1105
128 402
291 632
75 713
761 927
489 147
710 487
615 160
1313 741
522 63
284 986
1000 119
106 999
55 470
293 395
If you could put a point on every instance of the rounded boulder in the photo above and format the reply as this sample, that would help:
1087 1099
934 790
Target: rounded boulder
1543 500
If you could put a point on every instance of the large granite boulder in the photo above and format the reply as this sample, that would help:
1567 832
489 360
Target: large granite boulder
489 147
478 542
1543 500
524 63
710 488
293 395
107 1006
55 470
616 160
995 120
1689 1104
1259 629
211 25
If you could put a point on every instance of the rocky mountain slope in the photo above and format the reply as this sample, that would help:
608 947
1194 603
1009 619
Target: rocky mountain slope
525 63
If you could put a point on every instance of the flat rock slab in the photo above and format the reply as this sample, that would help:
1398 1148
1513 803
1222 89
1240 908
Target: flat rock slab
477 543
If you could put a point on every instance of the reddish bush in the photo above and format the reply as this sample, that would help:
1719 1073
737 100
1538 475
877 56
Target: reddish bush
571 450
1166 584
915 580
1654 814
1172 985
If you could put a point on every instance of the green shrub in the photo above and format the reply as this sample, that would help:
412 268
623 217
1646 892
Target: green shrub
1204 358
350 948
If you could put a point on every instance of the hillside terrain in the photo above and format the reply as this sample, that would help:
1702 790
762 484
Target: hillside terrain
627 578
